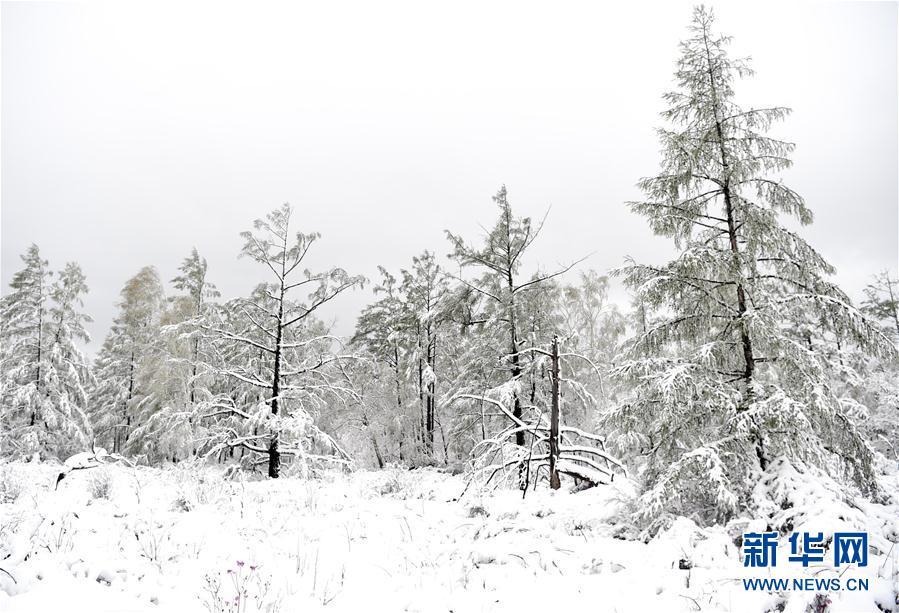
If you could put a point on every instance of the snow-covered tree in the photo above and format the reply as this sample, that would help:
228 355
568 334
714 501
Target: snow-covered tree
24 312
882 303
128 366
874 383
294 369
592 327
199 291
383 334
501 289
69 373
402 331
721 387
425 289
44 373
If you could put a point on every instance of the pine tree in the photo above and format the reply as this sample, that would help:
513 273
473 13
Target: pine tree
194 282
500 288
721 388
425 291
44 373
24 317
383 332
882 303
69 375
129 365
293 346
402 330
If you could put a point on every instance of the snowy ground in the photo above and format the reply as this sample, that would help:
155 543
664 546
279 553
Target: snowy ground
396 540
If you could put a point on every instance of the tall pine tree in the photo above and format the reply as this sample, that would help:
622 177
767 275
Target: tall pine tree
43 372
721 388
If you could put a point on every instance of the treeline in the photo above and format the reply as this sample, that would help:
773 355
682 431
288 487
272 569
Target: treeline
737 353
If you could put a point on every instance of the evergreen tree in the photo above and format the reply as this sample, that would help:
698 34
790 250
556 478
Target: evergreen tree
882 303
401 331
383 332
199 291
128 366
425 291
296 372
501 290
44 373
720 386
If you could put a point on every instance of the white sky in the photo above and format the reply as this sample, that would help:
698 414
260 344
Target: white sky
133 132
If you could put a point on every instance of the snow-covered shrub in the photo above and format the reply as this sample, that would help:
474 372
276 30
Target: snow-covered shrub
12 484
477 510
194 486
100 484
56 533
153 542
389 485
691 487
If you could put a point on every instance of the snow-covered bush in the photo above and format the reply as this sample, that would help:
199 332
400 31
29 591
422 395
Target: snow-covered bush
195 485
100 484
12 484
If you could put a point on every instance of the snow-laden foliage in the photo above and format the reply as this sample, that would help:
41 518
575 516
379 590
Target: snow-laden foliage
282 364
44 375
882 303
507 309
131 369
405 333
719 382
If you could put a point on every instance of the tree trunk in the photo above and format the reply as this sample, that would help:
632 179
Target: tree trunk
274 455
745 340
122 432
516 359
374 440
554 481
430 398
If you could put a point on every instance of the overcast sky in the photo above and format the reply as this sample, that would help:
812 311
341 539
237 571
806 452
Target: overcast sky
133 132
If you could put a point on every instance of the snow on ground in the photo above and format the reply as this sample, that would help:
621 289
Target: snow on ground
183 539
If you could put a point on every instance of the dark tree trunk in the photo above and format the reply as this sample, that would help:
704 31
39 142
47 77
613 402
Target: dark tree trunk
554 481
516 359
745 340
374 440
274 455
430 398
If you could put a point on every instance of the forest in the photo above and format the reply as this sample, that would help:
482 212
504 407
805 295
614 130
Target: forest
738 362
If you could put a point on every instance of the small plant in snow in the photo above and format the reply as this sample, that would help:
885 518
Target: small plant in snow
391 485
100 484
56 534
820 604
477 510
193 488
153 543
245 590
